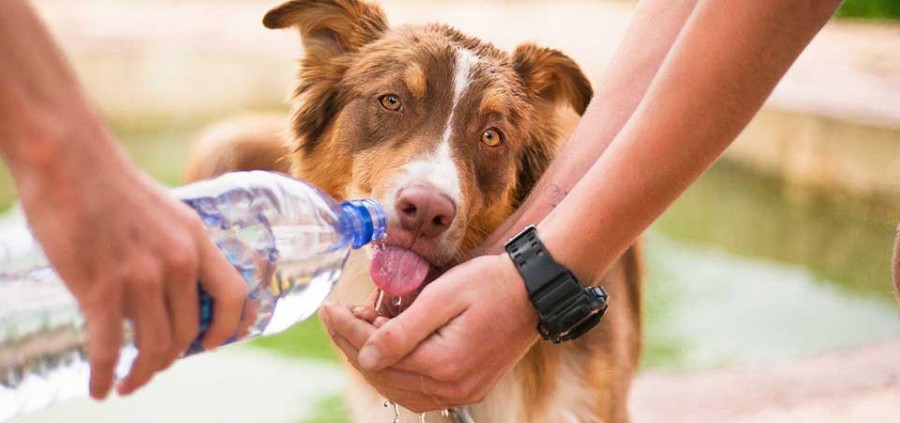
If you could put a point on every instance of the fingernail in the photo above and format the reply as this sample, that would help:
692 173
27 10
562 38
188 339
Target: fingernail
358 310
369 357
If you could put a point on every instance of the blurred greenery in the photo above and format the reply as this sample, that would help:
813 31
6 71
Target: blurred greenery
870 9
329 410
306 340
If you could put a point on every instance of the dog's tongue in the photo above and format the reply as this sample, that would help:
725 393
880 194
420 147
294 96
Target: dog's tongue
398 271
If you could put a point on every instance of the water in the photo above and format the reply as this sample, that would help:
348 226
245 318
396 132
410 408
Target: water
287 239
743 270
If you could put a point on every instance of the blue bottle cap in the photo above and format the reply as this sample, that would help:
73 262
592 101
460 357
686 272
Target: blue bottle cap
368 220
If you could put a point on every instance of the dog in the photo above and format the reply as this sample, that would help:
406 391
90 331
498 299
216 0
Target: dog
450 134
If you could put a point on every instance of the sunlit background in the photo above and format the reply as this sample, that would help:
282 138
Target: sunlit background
780 252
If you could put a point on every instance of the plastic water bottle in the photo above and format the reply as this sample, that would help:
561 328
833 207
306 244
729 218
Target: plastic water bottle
287 239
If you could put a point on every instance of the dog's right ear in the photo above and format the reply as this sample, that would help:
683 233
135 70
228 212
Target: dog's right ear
329 27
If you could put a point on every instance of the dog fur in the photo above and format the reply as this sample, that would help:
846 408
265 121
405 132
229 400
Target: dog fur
342 141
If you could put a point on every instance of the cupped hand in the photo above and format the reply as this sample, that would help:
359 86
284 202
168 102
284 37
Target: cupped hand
127 250
462 334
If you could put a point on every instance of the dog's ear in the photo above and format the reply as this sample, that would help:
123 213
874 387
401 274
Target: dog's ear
329 27
552 76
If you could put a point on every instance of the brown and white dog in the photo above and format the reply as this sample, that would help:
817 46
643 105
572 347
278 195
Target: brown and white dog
451 134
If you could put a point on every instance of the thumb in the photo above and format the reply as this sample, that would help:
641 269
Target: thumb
432 309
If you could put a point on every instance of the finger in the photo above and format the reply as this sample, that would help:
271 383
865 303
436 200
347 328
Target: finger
398 337
343 322
104 339
228 291
366 313
182 300
380 321
153 334
248 318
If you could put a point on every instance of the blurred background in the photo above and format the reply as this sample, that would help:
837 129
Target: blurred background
778 258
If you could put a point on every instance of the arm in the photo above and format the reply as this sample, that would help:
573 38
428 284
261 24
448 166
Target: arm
637 60
726 62
121 244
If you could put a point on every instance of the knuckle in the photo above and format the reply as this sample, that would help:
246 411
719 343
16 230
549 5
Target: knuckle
388 338
96 305
147 285
449 371
459 393
147 278
182 259
193 223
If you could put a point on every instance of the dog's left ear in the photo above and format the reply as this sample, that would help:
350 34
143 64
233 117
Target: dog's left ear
330 27
552 76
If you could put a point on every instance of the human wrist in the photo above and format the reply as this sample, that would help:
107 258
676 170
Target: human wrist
518 294
566 250
60 148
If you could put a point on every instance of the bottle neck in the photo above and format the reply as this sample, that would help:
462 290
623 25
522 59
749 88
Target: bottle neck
366 221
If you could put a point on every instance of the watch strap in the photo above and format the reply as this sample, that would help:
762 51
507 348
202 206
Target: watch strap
566 308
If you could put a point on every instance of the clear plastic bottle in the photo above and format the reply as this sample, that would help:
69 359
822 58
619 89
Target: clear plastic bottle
287 239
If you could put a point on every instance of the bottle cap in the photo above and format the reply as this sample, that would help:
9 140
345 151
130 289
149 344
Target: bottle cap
369 220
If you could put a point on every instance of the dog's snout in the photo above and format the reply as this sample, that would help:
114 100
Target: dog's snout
424 210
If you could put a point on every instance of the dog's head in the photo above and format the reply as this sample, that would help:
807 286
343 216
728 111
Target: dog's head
448 132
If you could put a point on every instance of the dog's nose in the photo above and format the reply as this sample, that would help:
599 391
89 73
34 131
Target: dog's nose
424 210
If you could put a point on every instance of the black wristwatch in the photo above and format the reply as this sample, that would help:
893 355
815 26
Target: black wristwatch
566 308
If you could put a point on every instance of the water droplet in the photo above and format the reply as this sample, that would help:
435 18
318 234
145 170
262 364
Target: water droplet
397 301
396 413
422 418
386 404
378 301
445 413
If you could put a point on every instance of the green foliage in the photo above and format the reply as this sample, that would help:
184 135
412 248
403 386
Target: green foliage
329 410
870 9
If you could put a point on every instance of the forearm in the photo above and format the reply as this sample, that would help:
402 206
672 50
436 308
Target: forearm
42 107
654 27
726 61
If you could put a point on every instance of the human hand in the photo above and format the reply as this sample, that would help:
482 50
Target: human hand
127 250
464 332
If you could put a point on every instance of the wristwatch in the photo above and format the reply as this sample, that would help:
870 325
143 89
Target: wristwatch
566 308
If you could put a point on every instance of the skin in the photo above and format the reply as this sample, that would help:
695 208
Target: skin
687 79
125 248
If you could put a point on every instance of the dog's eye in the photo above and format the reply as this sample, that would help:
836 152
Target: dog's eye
391 102
492 137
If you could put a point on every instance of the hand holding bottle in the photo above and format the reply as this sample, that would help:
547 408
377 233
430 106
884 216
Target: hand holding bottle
128 250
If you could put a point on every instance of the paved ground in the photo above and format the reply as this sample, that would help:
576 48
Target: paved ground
236 385
843 387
